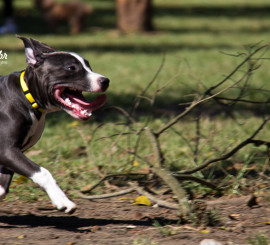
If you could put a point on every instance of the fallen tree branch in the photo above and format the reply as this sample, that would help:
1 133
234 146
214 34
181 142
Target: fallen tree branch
159 202
249 140
170 180
108 177
185 177
139 190
193 104
102 196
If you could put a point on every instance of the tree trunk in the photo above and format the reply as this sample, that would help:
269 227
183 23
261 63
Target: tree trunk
134 15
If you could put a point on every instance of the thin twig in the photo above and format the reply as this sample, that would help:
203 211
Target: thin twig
137 100
237 68
109 177
114 194
124 112
232 152
193 104
185 177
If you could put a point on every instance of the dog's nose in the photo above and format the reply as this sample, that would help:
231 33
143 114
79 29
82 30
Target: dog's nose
104 83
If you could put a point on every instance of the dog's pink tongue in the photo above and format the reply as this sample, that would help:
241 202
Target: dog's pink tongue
97 103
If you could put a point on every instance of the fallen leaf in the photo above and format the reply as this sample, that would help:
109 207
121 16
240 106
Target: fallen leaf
138 216
142 200
95 228
21 180
126 198
73 124
135 163
70 243
205 231
21 237
234 216
85 188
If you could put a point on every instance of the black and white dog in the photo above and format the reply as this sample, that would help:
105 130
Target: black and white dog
51 81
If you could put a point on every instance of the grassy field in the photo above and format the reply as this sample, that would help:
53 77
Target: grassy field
195 37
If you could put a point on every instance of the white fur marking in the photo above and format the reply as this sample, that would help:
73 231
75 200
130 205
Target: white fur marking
92 76
78 57
35 131
2 193
46 181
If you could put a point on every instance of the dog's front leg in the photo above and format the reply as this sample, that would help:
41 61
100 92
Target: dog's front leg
5 178
46 181
19 163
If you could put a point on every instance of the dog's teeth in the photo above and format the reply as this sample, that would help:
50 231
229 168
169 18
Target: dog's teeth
86 113
67 100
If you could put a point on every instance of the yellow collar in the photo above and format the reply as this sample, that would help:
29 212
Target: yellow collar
27 93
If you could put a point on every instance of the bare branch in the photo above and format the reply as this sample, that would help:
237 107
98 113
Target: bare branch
185 177
137 100
167 177
109 177
232 152
159 202
124 112
237 68
193 104
114 194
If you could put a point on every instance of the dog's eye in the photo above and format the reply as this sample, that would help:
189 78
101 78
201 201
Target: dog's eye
71 68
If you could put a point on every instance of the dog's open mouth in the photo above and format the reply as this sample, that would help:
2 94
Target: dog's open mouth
74 103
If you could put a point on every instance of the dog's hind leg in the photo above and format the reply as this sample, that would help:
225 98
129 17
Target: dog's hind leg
5 179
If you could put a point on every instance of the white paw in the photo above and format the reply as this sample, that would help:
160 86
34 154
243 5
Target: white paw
65 205
57 196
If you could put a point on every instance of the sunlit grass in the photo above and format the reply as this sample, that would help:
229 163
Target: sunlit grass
195 47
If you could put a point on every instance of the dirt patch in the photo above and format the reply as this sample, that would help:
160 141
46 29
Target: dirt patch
114 221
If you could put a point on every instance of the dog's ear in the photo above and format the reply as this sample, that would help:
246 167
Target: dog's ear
34 50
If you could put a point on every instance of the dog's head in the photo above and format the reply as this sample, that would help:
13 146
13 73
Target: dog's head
60 78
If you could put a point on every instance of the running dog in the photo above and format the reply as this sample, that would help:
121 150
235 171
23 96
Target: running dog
52 81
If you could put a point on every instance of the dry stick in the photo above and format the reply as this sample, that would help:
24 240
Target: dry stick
134 187
124 112
184 177
159 202
244 101
167 177
232 152
114 194
201 99
237 68
137 100
189 108
111 176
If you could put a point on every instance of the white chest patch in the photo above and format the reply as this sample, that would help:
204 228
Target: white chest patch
35 131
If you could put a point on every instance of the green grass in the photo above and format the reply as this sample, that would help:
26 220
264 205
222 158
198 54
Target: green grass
193 36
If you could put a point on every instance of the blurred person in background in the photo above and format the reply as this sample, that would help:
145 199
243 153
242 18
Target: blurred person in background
9 21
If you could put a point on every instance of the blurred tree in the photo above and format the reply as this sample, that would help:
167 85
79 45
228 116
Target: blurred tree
134 15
